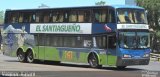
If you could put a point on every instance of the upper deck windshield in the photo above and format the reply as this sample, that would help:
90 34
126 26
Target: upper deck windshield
131 16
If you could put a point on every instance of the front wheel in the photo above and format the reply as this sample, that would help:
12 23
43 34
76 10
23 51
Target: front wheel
93 61
21 56
30 57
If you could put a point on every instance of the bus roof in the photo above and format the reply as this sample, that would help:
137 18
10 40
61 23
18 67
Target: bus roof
80 7
126 6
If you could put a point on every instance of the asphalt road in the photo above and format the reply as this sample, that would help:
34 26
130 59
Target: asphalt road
10 66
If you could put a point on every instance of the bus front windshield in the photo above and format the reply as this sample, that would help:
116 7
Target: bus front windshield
131 16
134 40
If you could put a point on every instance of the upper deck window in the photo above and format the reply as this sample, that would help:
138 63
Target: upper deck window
58 16
104 15
39 17
46 16
100 15
12 17
131 16
27 17
73 16
79 16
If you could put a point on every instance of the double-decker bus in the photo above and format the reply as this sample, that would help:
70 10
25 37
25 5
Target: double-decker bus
96 35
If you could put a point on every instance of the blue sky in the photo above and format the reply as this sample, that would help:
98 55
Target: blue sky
29 4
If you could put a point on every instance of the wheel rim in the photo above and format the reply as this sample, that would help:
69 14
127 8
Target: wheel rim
30 57
93 62
20 56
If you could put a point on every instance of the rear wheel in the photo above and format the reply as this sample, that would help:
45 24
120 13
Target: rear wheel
21 56
93 61
30 57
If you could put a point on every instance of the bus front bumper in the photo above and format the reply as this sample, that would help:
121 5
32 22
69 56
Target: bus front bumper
130 61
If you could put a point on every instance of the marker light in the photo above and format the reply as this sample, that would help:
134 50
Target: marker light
126 56
146 55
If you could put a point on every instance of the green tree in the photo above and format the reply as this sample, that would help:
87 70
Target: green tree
43 6
153 12
100 3
1 17
153 15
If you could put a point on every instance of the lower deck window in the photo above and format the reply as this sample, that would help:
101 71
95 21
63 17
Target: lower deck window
63 41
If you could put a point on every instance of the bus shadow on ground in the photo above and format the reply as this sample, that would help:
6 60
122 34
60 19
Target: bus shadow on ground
56 63
11 60
85 66
125 69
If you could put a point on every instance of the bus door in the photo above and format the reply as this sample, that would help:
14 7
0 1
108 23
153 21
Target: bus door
111 49
41 46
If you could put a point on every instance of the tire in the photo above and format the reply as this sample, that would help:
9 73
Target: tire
30 57
21 56
93 61
121 67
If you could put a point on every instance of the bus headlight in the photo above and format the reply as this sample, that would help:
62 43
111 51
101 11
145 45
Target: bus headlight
146 55
126 56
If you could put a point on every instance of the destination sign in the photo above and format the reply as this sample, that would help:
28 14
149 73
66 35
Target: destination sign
64 28
132 26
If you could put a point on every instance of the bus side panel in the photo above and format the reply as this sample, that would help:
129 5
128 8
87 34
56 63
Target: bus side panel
51 53
62 54
16 36
83 58
103 59
73 54
35 51
10 44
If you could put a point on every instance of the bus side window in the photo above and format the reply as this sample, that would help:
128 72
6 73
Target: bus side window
55 41
14 17
38 17
46 16
83 41
7 17
59 16
103 16
33 18
21 17
36 39
101 42
81 16
100 15
96 17
66 17
41 40
69 41
87 16
112 42
73 16
111 16
54 16
26 17
87 42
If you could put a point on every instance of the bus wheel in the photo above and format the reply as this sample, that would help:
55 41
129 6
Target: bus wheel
30 57
121 67
21 56
93 61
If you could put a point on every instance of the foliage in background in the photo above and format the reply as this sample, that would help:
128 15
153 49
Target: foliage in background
43 6
153 15
158 34
153 12
1 17
100 3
